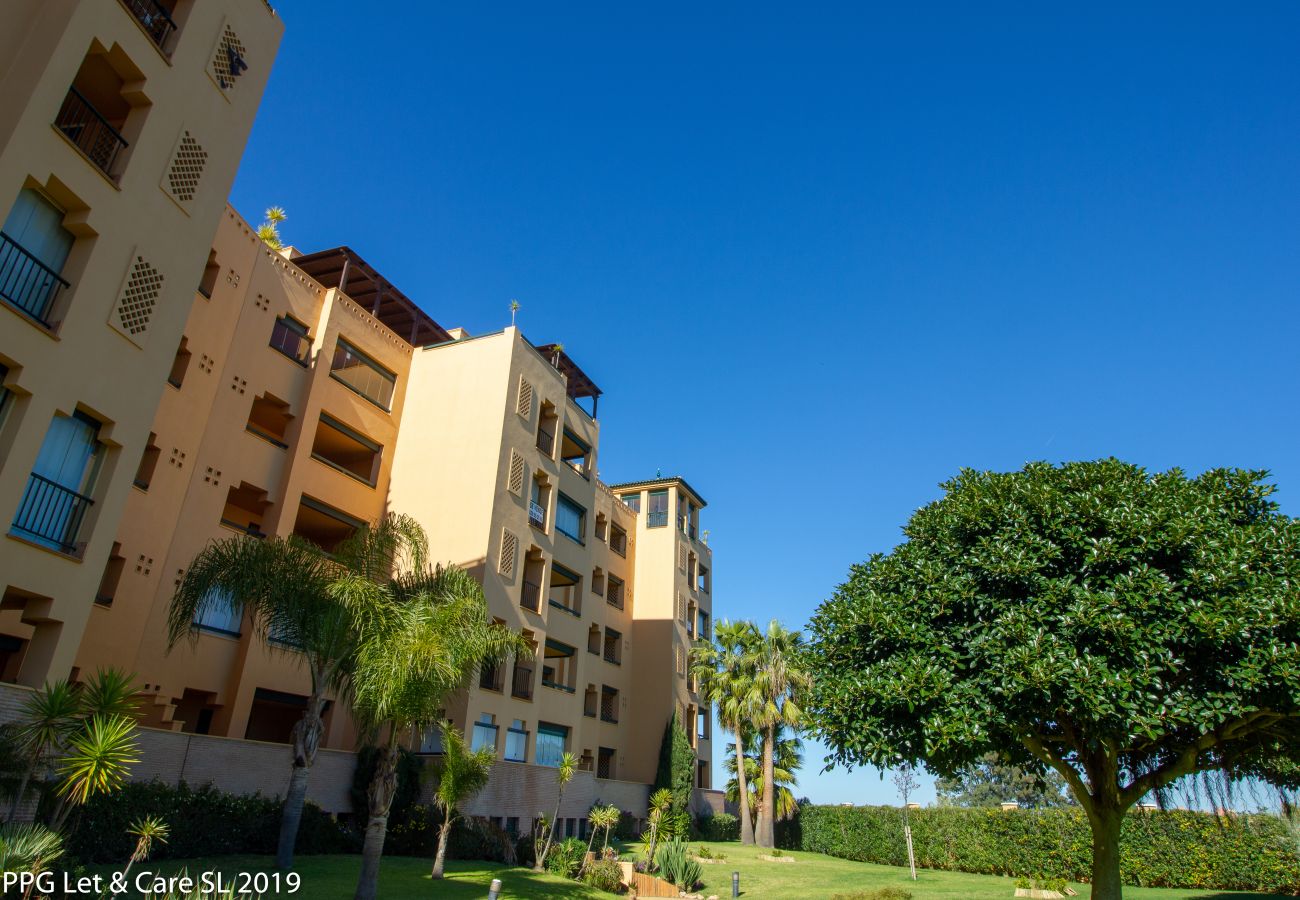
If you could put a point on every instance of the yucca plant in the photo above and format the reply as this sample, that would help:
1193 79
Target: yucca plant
563 775
98 761
677 867
602 817
269 230
661 801
46 721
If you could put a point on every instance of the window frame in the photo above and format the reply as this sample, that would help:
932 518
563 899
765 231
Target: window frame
343 345
305 342
560 501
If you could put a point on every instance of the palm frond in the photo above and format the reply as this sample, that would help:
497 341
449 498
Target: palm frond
98 759
109 692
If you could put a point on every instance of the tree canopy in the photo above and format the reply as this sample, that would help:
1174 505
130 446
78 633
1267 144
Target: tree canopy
1123 628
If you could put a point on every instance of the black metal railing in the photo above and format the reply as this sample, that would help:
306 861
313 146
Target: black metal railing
536 514
252 529
656 519
51 512
26 282
521 683
545 441
157 23
611 656
559 687
615 596
491 678
568 609
531 596
90 131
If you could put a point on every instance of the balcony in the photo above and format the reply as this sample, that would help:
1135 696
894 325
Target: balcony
492 678
559 687
656 519
51 513
521 683
90 131
536 514
26 283
155 20
531 597
545 441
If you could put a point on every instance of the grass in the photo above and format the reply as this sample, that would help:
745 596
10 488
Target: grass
812 875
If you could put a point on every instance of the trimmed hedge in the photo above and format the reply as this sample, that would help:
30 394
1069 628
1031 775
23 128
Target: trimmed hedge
1157 849
718 827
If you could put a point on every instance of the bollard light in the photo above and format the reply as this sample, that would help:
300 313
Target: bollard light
735 884
495 891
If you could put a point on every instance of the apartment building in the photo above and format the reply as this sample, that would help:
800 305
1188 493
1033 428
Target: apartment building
121 127
310 395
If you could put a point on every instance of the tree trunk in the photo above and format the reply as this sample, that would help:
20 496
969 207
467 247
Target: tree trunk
380 796
440 860
1106 884
766 836
746 817
540 862
22 792
306 741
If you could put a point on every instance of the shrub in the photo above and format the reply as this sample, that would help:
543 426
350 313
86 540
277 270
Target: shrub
884 893
718 827
1157 849
705 853
676 866
605 875
627 828
565 857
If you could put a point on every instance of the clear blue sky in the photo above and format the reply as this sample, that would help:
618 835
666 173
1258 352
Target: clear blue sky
819 258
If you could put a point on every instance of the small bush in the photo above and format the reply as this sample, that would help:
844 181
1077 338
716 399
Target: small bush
705 853
605 875
676 866
627 829
565 858
884 893
718 827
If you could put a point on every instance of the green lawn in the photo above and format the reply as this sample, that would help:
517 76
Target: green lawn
811 875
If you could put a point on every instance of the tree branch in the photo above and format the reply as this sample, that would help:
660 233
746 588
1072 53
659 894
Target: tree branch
1034 744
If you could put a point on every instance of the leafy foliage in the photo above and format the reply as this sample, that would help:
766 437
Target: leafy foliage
565 857
605 875
1158 849
718 827
677 867
676 774
991 782
1125 629
28 848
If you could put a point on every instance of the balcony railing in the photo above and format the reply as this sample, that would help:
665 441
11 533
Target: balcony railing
252 529
90 131
559 687
51 512
521 683
536 514
27 283
611 656
545 441
157 23
531 596
491 678
656 519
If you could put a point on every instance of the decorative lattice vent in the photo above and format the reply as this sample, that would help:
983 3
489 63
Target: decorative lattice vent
186 168
509 550
681 607
525 404
228 62
516 483
681 557
135 305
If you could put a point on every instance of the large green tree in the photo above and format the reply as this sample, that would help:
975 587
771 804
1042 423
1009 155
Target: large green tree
992 782
1122 628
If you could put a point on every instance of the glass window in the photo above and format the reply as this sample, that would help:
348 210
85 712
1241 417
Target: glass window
219 613
657 514
632 500
550 743
56 499
34 247
289 336
485 733
570 519
517 742
361 373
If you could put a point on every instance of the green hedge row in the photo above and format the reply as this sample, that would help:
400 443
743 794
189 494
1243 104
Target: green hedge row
1158 849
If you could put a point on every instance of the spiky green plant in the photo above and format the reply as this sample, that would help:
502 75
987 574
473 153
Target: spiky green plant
462 773
109 692
147 832
48 718
98 761
28 848
269 230
661 801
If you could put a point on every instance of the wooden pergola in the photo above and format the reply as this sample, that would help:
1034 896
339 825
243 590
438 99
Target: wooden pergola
579 384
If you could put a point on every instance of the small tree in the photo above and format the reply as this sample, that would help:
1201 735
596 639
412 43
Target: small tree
462 774
906 784
1121 628
147 832
676 773
563 775
661 801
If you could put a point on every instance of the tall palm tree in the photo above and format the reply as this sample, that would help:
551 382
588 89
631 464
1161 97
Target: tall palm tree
421 635
282 586
780 682
564 773
727 669
788 760
462 775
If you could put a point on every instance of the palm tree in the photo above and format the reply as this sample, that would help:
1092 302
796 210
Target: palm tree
780 682
48 718
563 775
660 802
421 635
726 669
282 586
788 760
602 817
462 775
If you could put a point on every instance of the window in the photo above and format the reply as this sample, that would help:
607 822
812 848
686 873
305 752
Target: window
521 680
6 395
570 519
365 376
517 741
485 733
559 666
209 280
94 113
289 336
323 525
702 721
269 419
547 422
657 515
346 449
614 592
530 591
148 463
605 762
57 499
431 740
219 613
245 505
702 626
551 741
112 576
608 704
34 247
576 453
180 364
565 590
703 585
613 646
492 677
618 540
632 501
702 775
